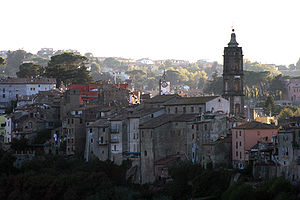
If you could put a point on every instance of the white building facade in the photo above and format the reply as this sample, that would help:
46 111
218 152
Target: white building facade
12 88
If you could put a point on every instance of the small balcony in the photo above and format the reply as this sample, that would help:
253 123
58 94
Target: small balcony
114 140
103 143
114 131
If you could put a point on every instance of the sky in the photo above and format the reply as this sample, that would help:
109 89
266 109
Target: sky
268 30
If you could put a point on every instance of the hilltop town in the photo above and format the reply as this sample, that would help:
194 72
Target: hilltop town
146 118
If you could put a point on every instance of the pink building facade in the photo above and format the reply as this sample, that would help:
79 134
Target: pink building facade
245 136
292 90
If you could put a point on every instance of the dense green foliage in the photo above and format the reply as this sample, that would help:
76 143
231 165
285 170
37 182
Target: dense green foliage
69 68
269 106
2 61
277 188
28 70
55 177
58 178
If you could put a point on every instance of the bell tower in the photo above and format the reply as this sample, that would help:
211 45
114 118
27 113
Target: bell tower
233 76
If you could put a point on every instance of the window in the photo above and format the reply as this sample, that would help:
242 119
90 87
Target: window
101 139
72 121
3 90
92 140
39 85
142 133
115 147
237 145
240 133
91 130
72 140
193 136
193 126
236 134
3 95
80 121
68 121
103 129
152 115
176 109
184 109
237 154
240 155
192 109
240 143
145 153
205 127
200 110
236 85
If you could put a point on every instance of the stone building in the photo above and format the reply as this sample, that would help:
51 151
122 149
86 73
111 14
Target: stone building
76 124
288 148
162 138
97 140
204 132
233 76
217 154
202 104
263 158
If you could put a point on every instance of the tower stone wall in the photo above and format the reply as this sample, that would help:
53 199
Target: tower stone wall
233 75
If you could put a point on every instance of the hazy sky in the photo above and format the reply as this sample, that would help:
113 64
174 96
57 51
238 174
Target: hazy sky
268 30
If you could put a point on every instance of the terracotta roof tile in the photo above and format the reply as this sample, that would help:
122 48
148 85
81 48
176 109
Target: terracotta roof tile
255 125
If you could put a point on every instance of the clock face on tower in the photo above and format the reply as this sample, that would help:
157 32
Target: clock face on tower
164 84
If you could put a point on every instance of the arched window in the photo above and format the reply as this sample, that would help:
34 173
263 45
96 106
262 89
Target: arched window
236 85
237 108
236 65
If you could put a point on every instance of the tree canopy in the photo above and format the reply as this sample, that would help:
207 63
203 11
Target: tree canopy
28 70
69 68
2 61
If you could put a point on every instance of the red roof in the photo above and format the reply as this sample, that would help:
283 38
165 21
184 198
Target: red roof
90 91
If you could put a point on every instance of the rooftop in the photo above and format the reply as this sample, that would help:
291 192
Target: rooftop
166 118
255 125
99 123
161 98
190 100
28 81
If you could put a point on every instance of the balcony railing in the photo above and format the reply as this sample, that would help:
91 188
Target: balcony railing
114 131
103 143
114 140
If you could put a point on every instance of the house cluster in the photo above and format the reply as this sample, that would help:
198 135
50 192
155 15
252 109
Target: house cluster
110 122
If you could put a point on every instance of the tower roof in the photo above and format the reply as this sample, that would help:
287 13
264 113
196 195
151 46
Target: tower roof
233 42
